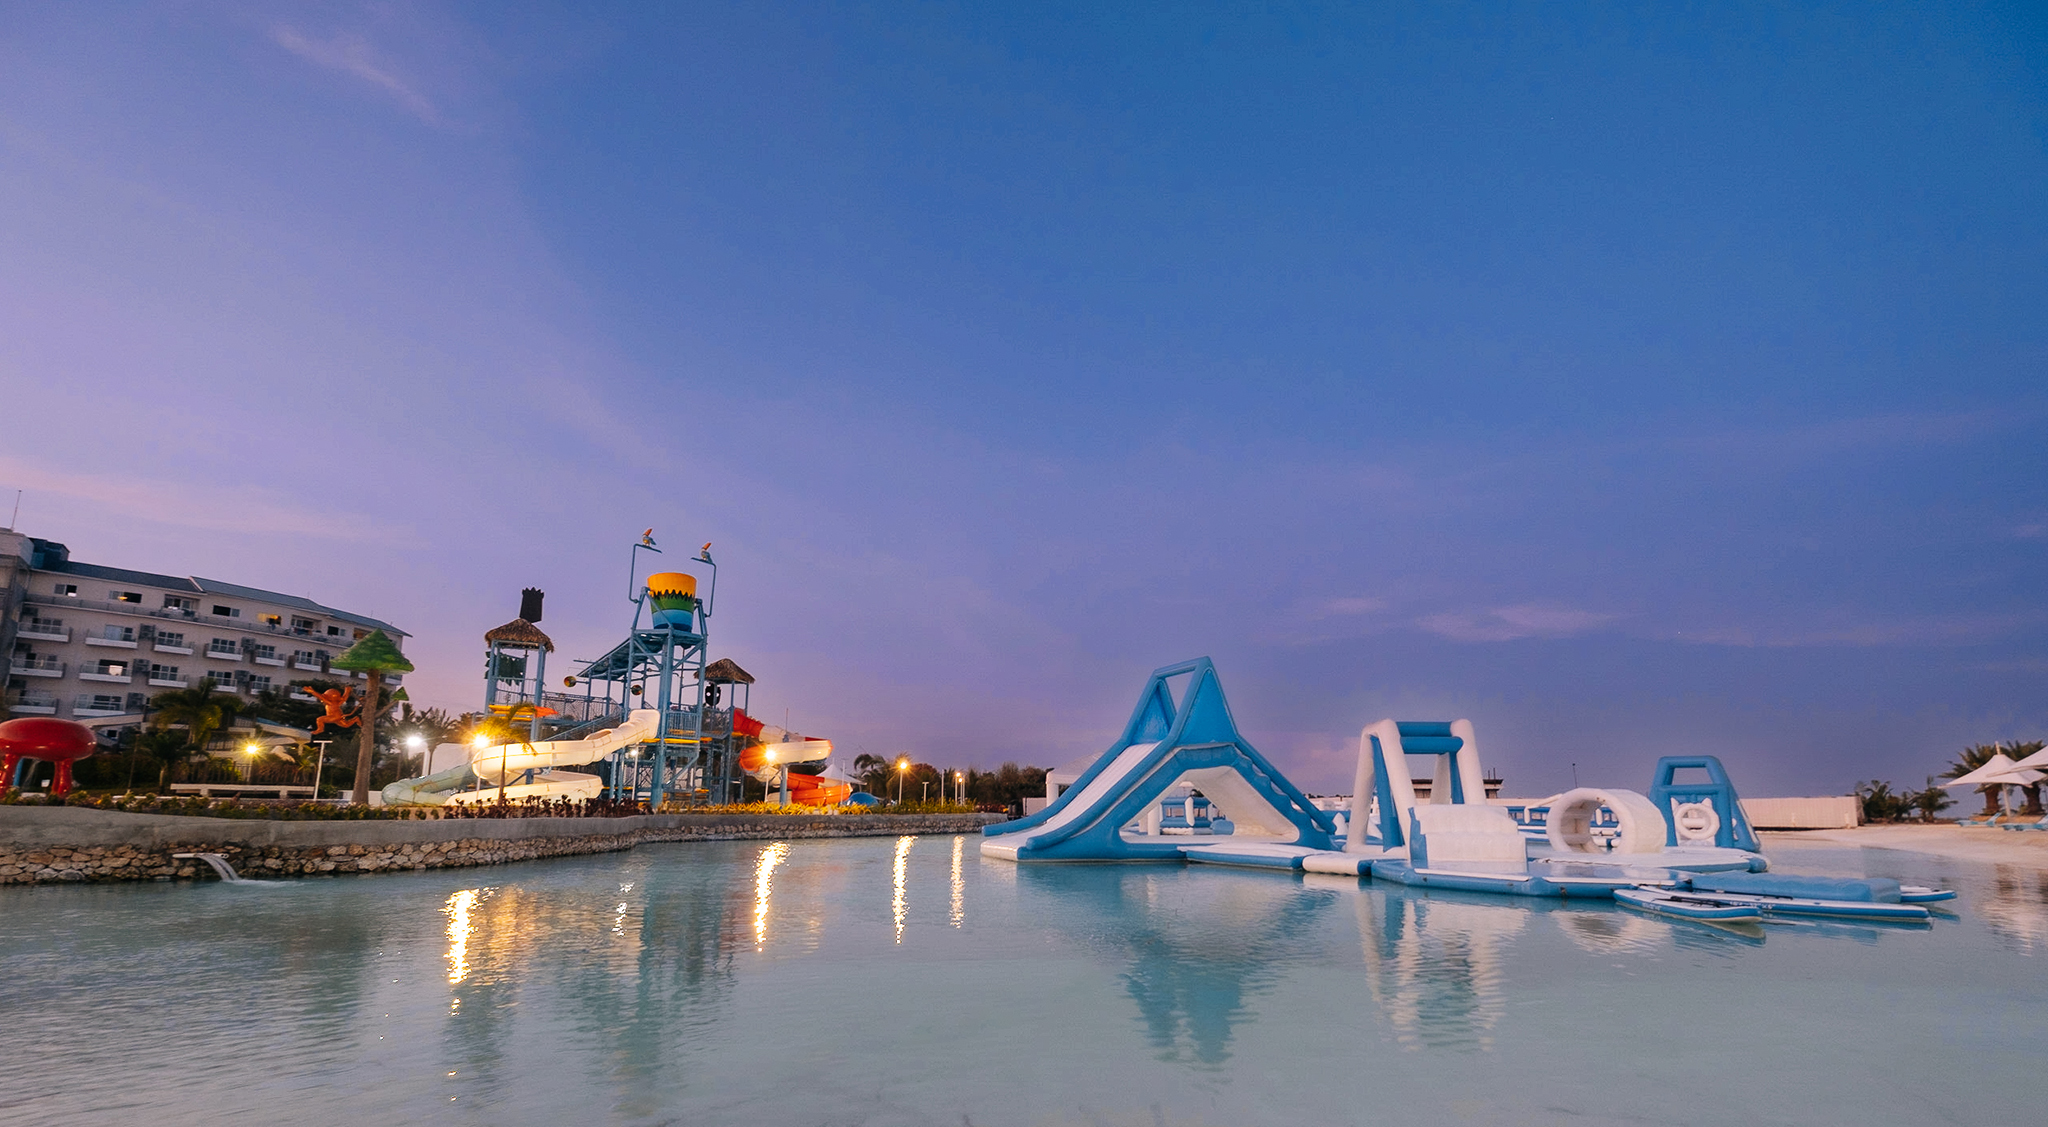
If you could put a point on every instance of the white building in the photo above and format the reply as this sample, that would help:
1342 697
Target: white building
94 643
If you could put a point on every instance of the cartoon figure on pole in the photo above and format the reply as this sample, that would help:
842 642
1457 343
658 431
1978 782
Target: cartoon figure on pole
61 742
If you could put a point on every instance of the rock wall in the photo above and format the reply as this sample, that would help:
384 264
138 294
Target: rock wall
39 845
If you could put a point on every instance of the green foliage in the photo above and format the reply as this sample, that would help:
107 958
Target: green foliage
375 652
1882 803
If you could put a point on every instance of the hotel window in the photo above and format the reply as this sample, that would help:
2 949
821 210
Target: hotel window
126 596
179 602
162 672
110 668
259 684
266 652
270 619
118 633
305 657
226 612
226 646
303 625
334 631
68 590
168 638
100 702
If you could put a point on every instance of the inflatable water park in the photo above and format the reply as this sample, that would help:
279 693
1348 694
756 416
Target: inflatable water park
650 722
1182 784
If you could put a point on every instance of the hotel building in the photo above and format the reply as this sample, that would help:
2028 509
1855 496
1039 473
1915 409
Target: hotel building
94 643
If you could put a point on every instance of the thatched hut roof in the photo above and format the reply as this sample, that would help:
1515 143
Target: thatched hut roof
520 632
727 670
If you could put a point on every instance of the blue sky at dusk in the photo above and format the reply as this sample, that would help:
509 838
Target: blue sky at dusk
1630 379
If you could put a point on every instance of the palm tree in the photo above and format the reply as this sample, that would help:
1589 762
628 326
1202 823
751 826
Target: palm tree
199 710
1977 756
869 769
2020 751
167 748
375 655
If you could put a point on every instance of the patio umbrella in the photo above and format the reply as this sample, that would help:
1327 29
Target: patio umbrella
2037 761
1999 769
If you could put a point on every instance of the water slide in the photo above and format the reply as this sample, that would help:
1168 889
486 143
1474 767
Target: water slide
526 770
783 750
1164 744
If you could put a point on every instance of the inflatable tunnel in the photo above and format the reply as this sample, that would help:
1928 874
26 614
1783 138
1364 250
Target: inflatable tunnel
1194 740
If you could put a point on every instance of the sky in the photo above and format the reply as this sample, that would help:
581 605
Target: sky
1630 379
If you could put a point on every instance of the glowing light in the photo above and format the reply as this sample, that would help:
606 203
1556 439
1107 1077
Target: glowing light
251 749
415 741
903 764
480 740
459 929
770 753
899 904
959 884
764 885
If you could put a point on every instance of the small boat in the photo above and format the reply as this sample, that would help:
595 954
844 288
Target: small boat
1915 894
1685 905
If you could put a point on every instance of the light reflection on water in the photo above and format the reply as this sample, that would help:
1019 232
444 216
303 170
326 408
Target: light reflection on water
686 982
764 886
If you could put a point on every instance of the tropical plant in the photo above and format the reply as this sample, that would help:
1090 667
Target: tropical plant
199 710
165 747
1978 755
375 655
1932 800
1880 802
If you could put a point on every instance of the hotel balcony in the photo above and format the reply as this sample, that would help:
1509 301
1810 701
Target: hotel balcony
308 666
110 678
117 643
43 633
35 705
164 649
277 661
36 667
225 655
96 706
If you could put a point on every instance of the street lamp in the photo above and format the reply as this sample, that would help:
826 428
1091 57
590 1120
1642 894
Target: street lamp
418 742
785 775
251 749
902 771
959 782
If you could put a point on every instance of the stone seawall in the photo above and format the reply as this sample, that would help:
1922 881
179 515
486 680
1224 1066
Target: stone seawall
47 844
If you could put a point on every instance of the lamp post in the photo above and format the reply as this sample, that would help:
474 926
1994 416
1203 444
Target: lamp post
418 742
250 749
959 783
902 770
319 765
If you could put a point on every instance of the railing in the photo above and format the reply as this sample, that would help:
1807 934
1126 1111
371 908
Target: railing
45 629
98 706
30 702
253 626
261 772
33 665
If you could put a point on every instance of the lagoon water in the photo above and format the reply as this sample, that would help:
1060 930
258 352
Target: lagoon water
910 981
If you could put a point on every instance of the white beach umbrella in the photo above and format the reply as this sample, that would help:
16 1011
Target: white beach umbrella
2037 761
1999 769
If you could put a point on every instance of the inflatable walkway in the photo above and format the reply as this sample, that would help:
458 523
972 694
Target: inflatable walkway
1166 743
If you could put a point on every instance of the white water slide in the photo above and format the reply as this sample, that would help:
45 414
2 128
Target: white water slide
508 764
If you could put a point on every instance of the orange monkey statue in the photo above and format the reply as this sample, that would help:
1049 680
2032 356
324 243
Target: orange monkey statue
336 701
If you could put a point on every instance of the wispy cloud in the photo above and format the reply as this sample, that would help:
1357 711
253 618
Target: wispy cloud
1502 624
242 509
1928 630
353 56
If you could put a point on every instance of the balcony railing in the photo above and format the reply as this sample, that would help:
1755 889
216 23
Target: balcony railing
34 705
224 655
97 706
117 643
43 632
36 667
186 650
112 678
253 626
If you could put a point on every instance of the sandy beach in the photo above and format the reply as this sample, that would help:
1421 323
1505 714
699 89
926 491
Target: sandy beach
1969 843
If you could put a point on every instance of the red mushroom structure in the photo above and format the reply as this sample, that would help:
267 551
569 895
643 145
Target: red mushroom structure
43 737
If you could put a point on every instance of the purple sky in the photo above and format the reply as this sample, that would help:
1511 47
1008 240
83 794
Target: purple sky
1629 382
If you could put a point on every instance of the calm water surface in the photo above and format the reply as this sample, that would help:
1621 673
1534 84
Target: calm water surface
908 981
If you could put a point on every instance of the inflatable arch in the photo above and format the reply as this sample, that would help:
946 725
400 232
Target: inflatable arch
1700 812
1383 751
1641 827
1196 741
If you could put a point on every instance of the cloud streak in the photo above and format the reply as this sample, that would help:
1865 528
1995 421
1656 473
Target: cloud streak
1506 624
351 55
241 509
